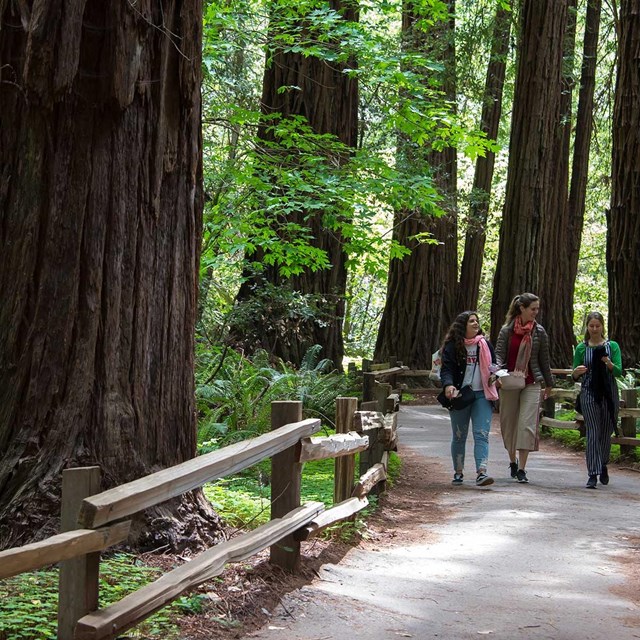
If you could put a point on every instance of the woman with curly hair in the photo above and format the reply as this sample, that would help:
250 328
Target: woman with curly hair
468 361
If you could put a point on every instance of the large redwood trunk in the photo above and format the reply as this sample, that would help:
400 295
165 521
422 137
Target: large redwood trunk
327 98
471 268
556 282
530 194
581 146
623 221
421 289
100 216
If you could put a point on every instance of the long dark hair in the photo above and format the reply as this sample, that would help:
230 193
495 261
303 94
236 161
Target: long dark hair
522 300
457 332
591 316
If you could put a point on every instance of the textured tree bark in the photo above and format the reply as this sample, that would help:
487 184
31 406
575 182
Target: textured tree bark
328 99
100 216
623 221
471 268
421 291
530 194
581 145
555 282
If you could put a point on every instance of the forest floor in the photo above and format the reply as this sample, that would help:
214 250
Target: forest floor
246 594
243 598
254 595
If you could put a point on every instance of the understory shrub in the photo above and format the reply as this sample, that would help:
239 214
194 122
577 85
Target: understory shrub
234 393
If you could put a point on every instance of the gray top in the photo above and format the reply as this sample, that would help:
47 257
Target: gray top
539 362
472 375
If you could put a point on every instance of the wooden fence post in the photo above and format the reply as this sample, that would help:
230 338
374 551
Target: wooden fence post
344 465
286 475
371 456
78 579
382 392
368 386
628 425
375 452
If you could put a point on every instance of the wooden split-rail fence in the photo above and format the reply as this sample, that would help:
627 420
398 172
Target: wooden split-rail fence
629 412
92 521
386 380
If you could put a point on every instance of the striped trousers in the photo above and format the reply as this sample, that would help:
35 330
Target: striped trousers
599 425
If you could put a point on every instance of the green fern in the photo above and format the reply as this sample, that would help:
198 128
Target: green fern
236 402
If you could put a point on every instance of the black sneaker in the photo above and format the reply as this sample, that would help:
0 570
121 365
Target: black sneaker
457 478
604 476
513 469
592 482
483 480
522 476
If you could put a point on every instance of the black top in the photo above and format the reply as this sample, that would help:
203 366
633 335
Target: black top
452 371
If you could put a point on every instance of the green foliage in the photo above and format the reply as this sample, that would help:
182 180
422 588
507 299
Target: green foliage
259 188
243 501
234 393
571 439
28 606
29 602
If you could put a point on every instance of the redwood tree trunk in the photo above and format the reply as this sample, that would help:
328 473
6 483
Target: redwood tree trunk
100 216
555 282
421 299
471 269
623 221
530 194
328 99
581 146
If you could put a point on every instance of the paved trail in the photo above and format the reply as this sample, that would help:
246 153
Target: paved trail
510 561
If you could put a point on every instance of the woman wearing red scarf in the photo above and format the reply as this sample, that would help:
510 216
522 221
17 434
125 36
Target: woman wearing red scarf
523 349
468 360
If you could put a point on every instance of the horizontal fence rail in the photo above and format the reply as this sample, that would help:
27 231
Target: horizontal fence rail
93 522
628 413
169 483
61 547
289 445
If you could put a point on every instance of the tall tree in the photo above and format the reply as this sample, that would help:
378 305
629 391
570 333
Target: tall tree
623 221
530 192
581 146
475 237
555 279
421 287
100 215
322 93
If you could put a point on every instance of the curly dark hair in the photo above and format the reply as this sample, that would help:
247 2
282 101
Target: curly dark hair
457 332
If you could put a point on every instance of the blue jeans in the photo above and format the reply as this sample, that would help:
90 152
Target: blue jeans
479 413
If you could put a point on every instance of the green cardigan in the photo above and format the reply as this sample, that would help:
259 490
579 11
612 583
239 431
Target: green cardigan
616 358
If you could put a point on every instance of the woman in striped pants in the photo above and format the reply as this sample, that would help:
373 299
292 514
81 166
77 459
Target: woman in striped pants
598 361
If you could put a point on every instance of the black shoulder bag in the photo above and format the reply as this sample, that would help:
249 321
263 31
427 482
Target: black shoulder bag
466 394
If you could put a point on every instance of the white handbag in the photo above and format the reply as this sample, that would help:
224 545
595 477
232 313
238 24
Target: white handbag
509 382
